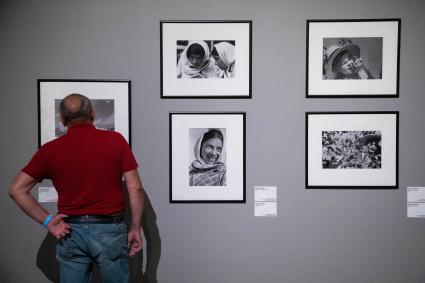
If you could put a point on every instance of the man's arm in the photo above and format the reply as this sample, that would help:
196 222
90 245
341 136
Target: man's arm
20 192
136 199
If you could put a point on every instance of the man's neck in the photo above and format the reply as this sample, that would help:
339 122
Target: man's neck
79 123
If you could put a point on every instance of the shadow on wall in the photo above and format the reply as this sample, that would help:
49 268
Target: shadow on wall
47 263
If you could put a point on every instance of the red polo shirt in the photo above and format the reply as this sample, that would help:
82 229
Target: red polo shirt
86 166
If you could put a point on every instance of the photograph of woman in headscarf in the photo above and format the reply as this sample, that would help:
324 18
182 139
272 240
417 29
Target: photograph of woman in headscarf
205 59
208 168
195 61
224 55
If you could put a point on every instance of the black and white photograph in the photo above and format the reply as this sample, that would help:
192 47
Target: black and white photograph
110 100
206 59
207 156
104 116
352 149
353 58
207 152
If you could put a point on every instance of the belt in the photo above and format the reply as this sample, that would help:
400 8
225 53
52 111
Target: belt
94 219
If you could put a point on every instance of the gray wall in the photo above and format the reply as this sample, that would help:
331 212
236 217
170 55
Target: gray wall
318 236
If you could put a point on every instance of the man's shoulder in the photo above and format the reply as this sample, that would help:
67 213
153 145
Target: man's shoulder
109 133
53 142
110 136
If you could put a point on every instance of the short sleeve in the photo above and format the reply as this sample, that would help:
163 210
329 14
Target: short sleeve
37 167
128 161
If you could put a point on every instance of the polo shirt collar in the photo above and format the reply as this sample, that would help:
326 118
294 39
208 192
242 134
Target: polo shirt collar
81 125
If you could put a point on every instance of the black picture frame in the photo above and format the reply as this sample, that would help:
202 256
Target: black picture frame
344 150
186 130
112 96
375 41
176 35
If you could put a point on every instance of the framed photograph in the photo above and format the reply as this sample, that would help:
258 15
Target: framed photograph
352 150
353 58
206 59
207 157
110 99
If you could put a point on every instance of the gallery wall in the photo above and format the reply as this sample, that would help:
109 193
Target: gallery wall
325 235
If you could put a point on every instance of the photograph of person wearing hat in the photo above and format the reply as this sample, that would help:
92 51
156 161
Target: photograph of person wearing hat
351 149
343 59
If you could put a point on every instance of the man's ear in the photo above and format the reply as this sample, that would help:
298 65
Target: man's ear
92 116
64 121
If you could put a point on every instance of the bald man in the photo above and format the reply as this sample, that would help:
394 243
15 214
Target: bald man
86 166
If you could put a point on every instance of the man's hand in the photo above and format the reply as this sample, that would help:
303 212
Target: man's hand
58 228
136 199
134 241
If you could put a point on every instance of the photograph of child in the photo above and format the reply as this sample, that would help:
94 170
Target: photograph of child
352 58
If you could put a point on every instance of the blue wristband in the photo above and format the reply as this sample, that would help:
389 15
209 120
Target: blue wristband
47 220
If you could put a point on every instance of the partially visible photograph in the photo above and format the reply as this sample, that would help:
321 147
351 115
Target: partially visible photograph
355 58
208 157
351 149
205 59
104 116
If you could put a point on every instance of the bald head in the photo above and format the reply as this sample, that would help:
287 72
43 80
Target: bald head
76 108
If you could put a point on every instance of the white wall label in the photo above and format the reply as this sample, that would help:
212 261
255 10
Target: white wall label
265 201
416 202
47 194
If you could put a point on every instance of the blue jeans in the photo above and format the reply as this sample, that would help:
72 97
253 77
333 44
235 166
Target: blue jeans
104 244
